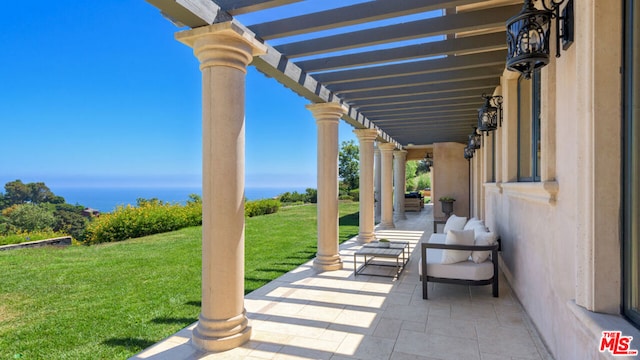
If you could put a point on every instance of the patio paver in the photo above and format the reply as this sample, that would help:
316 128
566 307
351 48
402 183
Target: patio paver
334 315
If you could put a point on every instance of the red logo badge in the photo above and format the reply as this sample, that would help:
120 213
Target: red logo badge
616 344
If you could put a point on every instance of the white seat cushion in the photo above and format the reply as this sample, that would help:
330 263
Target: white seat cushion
465 270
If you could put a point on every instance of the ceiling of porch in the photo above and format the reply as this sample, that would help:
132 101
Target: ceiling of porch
414 69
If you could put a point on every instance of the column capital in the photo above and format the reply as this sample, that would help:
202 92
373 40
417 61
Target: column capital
400 154
330 111
223 44
366 134
386 147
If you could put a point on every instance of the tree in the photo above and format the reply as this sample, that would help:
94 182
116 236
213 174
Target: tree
349 158
311 195
422 167
17 192
410 169
39 193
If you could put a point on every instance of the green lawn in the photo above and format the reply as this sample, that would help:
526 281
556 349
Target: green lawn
110 301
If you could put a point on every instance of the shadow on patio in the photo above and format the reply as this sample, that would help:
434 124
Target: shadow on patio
334 315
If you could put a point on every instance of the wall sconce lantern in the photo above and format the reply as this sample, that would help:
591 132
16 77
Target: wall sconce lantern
474 140
428 160
528 35
490 114
468 153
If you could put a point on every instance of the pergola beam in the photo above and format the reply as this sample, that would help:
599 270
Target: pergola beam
344 16
418 80
421 89
469 101
414 68
238 7
373 104
469 21
478 43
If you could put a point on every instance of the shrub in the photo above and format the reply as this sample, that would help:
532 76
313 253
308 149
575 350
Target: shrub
411 184
355 194
291 197
261 207
345 197
30 217
310 196
71 223
424 181
151 217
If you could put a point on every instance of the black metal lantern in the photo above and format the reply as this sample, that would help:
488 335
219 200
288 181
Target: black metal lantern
528 35
490 114
428 160
474 139
468 153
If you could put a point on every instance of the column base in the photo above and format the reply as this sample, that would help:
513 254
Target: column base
327 263
221 335
364 238
387 226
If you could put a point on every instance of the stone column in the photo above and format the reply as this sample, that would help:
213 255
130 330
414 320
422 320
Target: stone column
224 53
386 186
367 223
327 116
400 159
376 184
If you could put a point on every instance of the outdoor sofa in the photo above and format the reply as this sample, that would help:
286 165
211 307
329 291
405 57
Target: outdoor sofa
466 253
413 201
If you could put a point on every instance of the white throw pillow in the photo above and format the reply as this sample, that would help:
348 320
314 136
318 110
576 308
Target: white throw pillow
457 237
471 223
483 239
480 229
454 223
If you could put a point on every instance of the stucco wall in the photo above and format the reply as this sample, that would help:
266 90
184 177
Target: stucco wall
450 177
560 237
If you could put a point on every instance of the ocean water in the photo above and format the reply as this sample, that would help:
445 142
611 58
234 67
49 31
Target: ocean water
107 199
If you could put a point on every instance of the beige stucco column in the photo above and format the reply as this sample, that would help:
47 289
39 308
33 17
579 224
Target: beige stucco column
386 185
399 174
367 223
327 116
376 184
224 53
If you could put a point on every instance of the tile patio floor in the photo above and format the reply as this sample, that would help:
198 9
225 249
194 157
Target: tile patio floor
334 315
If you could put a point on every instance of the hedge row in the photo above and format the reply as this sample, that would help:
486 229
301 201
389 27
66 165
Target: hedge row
153 217
261 207
128 222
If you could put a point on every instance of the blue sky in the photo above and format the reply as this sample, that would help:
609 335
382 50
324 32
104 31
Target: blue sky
100 94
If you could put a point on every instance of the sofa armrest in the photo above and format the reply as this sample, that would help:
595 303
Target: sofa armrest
426 245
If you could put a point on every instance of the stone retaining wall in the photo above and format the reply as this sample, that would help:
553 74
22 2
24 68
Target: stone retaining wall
59 241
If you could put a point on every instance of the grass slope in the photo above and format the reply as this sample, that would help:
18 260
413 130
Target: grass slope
110 301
